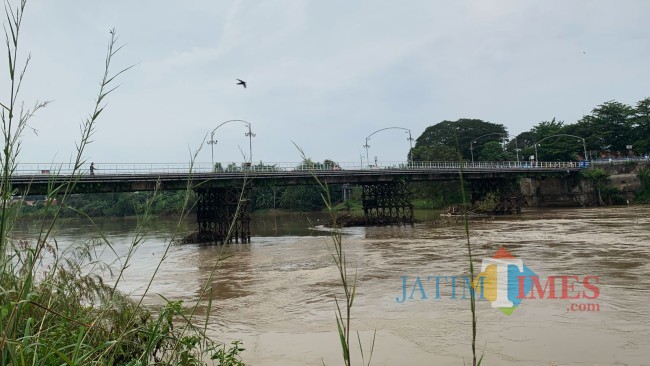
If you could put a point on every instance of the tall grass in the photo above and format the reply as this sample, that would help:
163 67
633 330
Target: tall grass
470 259
347 280
55 307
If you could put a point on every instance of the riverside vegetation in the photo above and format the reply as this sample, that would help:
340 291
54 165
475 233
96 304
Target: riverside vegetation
55 307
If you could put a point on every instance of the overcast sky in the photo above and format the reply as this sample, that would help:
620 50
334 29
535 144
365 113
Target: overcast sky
324 74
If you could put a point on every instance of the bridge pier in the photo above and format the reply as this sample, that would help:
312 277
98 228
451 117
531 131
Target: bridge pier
222 215
387 203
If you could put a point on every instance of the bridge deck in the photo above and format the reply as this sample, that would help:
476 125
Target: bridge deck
129 181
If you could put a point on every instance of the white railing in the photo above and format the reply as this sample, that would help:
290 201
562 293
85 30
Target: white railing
619 161
270 167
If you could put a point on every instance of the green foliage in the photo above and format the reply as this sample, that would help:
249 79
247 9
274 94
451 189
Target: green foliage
353 203
435 152
644 194
607 194
72 309
113 204
553 142
261 167
230 356
302 198
265 197
644 176
607 131
451 140
641 127
488 203
349 206
494 151
608 127
436 195
596 175
55 308
327 164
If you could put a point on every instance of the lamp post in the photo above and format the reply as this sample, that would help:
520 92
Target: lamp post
517 151
410 146
409 139
471 144
249 134
212 142
584 144
366 146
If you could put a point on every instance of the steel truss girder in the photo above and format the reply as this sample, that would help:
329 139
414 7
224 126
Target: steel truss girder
223 215
387 203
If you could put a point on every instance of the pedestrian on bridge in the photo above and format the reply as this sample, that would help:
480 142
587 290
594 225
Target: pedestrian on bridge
92 168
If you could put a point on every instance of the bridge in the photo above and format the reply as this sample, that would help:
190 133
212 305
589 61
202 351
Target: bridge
223 193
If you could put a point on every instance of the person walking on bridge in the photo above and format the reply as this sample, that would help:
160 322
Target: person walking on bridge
92 168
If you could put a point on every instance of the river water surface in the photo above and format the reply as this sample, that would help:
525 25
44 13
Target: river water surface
277 293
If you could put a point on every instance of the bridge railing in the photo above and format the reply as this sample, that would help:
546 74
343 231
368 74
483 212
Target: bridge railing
270 167
493 165
620 161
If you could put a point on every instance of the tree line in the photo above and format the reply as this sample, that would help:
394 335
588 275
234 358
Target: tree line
612 129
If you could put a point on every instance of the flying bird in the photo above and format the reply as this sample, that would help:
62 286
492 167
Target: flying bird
242 82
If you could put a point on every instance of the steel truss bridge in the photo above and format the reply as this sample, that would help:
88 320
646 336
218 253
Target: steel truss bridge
223 195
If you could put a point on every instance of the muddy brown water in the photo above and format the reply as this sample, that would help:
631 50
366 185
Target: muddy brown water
277 293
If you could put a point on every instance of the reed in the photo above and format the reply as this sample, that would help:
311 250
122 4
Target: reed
55 307
470 259
347 280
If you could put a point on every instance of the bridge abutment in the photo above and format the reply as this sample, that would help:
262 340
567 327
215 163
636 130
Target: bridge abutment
387 203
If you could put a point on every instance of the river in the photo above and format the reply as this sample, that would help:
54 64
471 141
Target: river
277 293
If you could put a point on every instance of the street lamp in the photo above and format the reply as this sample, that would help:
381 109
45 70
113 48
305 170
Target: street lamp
367 146
212 142
409 139
410 146
249 134
471 144
517 149
584 145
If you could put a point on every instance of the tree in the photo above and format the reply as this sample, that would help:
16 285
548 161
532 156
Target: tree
524 143
435 152
331 165
555 145
447 136
493 151
608 127
641 127
599 178
302 198
547 128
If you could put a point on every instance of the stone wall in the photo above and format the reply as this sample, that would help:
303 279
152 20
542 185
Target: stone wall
570 190
550 191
